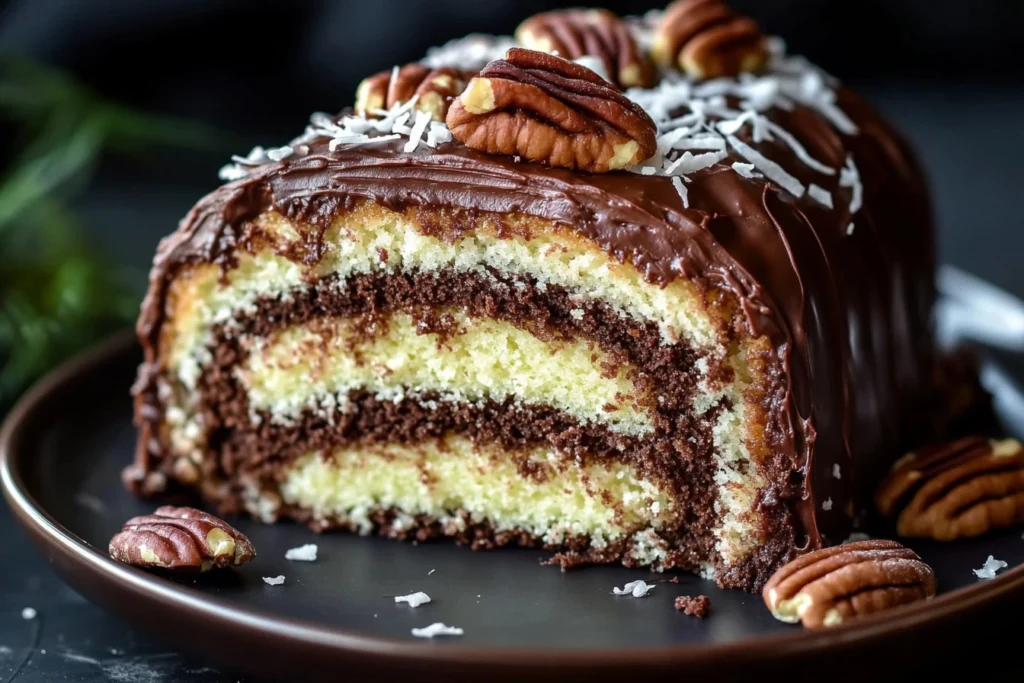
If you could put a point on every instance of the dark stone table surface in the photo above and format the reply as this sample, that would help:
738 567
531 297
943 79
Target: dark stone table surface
970 139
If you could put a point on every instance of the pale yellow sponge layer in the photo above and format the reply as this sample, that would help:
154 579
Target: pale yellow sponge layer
373 239
447 479
297 368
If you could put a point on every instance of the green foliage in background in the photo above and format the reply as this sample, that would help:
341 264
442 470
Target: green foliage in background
58 294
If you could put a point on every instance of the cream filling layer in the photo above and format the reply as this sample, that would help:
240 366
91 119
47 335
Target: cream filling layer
315 366
444 479
380 240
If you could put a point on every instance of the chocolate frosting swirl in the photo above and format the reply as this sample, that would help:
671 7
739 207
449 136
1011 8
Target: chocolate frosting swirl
848 315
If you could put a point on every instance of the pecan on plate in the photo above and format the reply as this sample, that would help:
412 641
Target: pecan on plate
956 490
576 33
180 539
549 110
434 90
706 39
832 585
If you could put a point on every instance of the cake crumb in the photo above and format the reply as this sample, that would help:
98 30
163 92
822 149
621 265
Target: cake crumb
28 613
273 580
437 629
989 569
637 589
304 553
414 599
694 606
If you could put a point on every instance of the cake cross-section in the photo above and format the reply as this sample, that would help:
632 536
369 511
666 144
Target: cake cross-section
679 326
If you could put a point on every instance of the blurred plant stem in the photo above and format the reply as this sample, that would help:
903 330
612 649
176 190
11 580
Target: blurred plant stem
58 294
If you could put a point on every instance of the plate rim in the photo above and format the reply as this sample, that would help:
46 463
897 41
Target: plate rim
45 531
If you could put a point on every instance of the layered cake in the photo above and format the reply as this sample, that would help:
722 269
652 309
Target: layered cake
644 290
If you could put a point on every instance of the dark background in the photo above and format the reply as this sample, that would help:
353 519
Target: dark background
948 72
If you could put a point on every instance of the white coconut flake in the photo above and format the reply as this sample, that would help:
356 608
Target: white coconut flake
414 599
28 613
230 172
849 177
827 505
772 170
595 64
836 472
437 629
820 195
745 170
688 163
279 153
681 189
637 589
471 52
304 553
431 572
418 129
857 536
273 580
990 568
849 229
801 153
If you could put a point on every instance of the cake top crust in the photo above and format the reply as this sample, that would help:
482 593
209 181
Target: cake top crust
784 189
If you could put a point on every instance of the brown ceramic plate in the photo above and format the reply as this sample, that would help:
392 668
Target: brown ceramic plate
61 451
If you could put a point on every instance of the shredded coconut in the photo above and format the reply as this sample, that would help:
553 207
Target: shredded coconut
827 505
414 599
637 589
471 52
304 553
772 170
990 568
279 153
849 177
431 572
273 580
745 170
849 228
681 189
595 64
28 613
836 472
437 629
857 536
820 195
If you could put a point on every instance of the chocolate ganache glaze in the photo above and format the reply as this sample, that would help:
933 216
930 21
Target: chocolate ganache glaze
845 300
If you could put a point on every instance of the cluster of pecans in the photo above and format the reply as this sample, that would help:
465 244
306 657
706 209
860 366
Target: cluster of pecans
539 105
961 489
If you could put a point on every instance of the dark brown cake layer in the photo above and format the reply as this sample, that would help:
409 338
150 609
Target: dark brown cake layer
678 455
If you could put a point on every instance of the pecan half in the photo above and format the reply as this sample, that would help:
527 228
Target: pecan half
706 39
956 490
180 539
549 110
575 33
434 89
833 585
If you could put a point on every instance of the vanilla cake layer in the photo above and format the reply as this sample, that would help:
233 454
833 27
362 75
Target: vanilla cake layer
456 482
374 239
471 359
